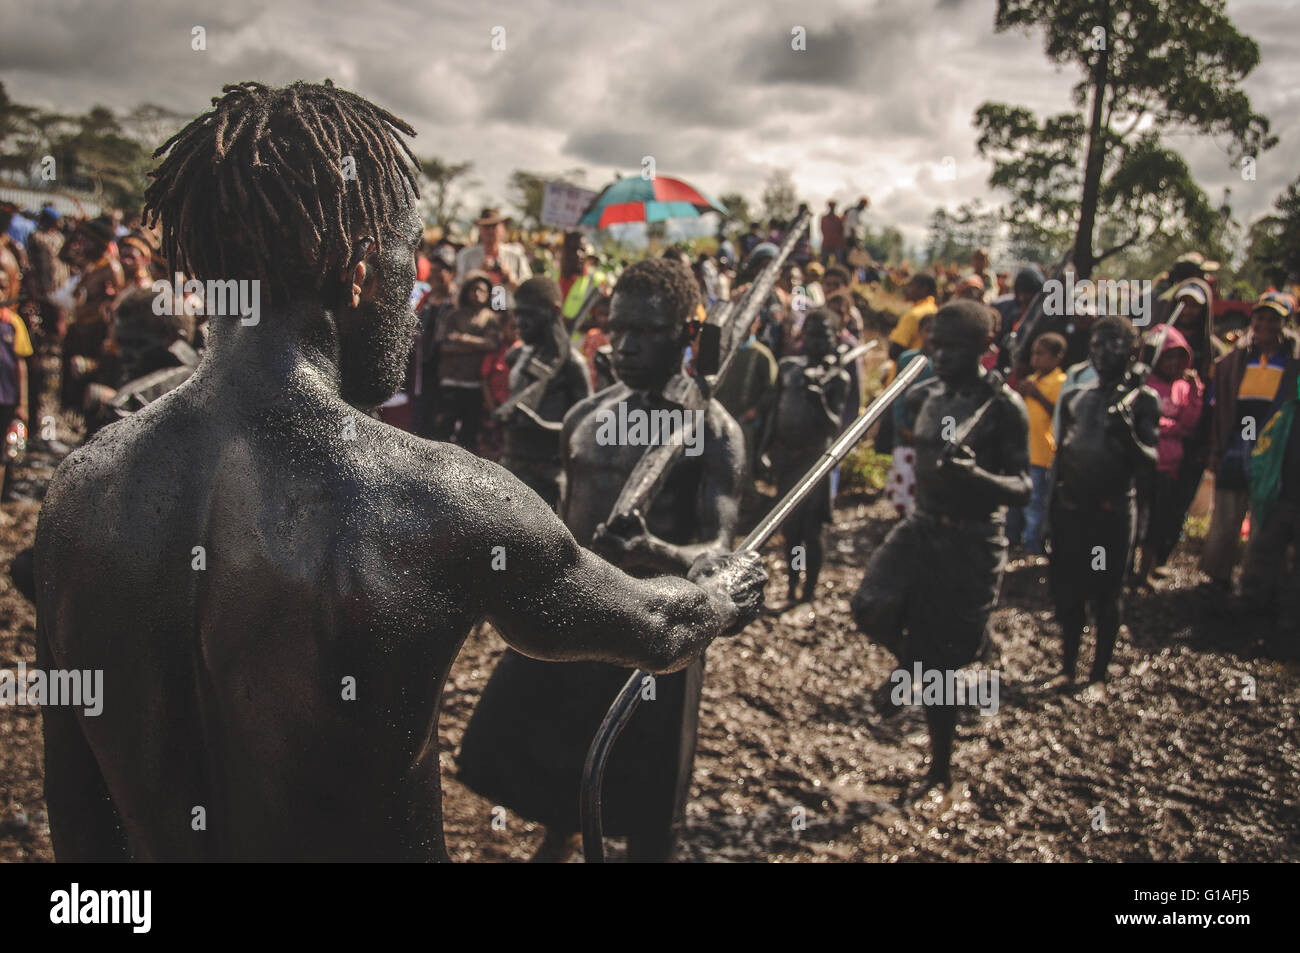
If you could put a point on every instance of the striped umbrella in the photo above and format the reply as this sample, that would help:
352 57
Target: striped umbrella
638 199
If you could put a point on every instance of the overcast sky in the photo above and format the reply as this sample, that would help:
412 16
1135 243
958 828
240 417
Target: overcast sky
710 88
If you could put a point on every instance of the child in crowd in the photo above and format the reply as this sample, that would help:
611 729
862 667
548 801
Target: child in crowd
15 348
805 420
1181 393
1041 389
1109 432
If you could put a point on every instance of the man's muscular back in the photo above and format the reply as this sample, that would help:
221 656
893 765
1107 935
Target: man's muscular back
326 558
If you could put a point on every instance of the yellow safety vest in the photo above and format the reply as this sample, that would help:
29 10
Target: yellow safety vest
578 292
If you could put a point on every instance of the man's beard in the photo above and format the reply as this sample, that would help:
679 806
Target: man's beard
373 355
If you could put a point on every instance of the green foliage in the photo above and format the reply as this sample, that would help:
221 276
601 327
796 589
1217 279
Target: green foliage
955 235
737 207
1274 247
884 244
441 197
19 135
97 152
1150 68
780 198
528 192
864 470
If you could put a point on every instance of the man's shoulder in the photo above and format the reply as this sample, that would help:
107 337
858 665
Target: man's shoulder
1005 395
926 387
610 396
426 476
721 422
120 456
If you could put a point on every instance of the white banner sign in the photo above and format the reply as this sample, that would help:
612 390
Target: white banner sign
563 204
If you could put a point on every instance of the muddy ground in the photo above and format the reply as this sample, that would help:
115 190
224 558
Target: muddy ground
1173 761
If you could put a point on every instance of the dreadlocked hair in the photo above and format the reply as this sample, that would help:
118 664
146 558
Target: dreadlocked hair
667 278
257 188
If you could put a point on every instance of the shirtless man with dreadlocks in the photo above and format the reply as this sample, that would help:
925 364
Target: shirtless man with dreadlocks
274 584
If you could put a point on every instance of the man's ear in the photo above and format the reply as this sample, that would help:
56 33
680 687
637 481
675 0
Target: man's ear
354 279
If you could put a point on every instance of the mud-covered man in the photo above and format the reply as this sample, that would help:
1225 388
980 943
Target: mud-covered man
525 745
274 584
930 587
547 377
811 390
1110 427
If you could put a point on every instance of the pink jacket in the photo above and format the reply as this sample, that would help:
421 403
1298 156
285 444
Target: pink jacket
1180 408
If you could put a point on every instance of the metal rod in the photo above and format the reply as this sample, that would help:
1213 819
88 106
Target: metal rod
761 533
629 697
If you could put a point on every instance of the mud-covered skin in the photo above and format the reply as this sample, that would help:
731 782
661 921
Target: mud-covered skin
806 416
811 393
989 468
336 548
532 451
695 512
525 745
929 588
1103 444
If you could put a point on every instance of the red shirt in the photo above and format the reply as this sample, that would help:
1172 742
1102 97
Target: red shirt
832 231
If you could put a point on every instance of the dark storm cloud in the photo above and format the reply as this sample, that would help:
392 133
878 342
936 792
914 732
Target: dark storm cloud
711 88
626 149
832 57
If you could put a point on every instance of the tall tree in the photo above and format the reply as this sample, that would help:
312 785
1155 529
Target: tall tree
954 235
443 200
1150 68
737 207
884 244
18 134
1274 250
98 155
780 198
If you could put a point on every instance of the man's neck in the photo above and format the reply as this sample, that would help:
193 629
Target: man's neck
965 381
286 348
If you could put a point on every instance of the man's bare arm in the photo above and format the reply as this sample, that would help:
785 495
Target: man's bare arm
556 601
1010 483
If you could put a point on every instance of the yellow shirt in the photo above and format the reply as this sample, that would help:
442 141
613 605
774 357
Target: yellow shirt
22 343
1042 448
907 333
